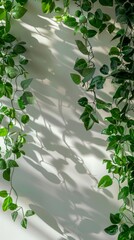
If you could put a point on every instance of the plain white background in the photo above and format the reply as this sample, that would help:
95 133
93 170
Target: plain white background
58 176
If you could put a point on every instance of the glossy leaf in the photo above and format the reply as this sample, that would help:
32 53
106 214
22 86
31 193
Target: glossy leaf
111 230
18 11
6 203
25 119
115 218
105 181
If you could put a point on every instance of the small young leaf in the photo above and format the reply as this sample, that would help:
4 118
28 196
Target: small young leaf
105 181
24 223
14 215
25 83
29 213
3 194
76 78
111 28
25 119
104 69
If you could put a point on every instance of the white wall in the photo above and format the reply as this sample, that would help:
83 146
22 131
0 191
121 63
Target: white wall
58 176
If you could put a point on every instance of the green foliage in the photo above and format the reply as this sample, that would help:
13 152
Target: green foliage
90 22
11 74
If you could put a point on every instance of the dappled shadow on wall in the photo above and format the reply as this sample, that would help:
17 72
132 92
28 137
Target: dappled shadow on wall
63 161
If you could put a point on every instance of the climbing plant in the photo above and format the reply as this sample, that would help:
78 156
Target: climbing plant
90 21
14 81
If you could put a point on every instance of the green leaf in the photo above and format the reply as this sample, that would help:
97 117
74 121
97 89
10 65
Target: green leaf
115 218
114 51
90 74
111 230
29 213
23 60
83 101
3 194
88 123
19 49
27 98
105 181
82 47
94 117
2 14
100 104
11 71
2 164
25 119
76 78
98 81
115 112
6 174
2 89
8 38
104 69
12 163
91 33
111 28
80 64
94 21
70 21
6 203
14 215
12 206
22 2
48 6
124 192
3 132
25 83
108 3
18 11
1 118
8 90
24 223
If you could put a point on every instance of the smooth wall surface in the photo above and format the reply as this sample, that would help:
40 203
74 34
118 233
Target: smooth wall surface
58 176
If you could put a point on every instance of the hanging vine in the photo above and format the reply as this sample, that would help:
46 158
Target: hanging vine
14 95
119 130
